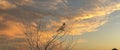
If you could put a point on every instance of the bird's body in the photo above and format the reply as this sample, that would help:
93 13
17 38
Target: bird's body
61 28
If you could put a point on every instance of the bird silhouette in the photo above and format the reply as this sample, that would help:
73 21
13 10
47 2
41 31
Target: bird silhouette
61 28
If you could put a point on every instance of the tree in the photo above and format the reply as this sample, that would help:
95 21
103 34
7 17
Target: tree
40 38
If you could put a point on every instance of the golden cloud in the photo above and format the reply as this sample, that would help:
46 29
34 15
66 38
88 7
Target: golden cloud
96 17
6 5
12 29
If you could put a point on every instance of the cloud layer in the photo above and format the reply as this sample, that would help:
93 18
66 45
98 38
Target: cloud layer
80 15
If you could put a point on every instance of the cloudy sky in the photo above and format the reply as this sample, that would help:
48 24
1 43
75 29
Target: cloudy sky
95 22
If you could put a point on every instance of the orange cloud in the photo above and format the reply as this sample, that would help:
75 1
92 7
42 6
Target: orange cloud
96 18
87 21
12 29
1 18
6 5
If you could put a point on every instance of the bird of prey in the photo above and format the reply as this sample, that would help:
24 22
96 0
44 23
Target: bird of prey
61 28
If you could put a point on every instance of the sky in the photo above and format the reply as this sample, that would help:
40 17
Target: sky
94 22
106 38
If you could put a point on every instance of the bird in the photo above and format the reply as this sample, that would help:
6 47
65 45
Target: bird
61 28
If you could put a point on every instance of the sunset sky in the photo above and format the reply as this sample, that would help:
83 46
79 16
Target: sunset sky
95 23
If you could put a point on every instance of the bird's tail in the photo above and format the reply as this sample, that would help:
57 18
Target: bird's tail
57 30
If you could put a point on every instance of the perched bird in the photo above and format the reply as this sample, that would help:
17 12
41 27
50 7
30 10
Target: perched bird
61 28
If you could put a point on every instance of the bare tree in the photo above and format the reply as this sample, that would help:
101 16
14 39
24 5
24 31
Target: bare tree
39 38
